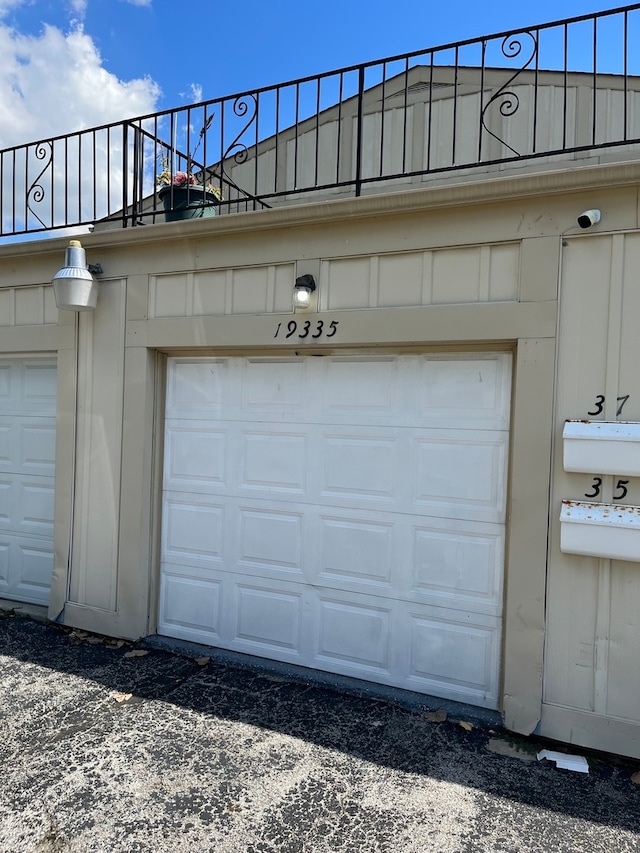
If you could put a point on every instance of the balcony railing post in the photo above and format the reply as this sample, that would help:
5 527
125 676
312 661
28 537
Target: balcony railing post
136 174
125 172
359 132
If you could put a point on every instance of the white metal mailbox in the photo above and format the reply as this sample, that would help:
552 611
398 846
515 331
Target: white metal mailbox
597 447
600 530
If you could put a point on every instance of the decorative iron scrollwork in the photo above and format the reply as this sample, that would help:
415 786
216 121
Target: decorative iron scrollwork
36 192
241 107
509 101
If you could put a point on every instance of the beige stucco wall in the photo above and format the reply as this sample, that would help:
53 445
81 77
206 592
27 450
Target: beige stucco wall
465 267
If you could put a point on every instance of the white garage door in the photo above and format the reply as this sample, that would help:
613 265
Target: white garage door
341 513
27 458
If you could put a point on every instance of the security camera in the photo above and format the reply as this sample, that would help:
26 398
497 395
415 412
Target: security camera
589 218
91 228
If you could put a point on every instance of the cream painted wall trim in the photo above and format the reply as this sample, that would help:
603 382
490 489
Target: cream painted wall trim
41 256
528 507
434 324
574 179
65 470
34 338
592 731
94 565
141 490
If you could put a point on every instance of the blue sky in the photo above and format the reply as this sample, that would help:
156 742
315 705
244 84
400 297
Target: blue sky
71 63
230 47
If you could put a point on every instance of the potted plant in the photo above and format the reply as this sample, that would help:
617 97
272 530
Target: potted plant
183 197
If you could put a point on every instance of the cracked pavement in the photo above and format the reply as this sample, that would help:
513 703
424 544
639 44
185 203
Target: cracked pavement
104 752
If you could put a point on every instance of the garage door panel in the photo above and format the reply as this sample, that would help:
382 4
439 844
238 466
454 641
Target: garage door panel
353 635
271 539
26 505
38 385
195 387
25 568
453 658
458 474
270 386
265 536
268 620
465 391
362 467
5 384
459 568
466 474
348 510
5 550
27 463
273 461
38 446
6 503
27 444
440 561
429 649
6 446
193 530
190 607
195 456
323 390
28 386
34 569
354 387
356 550
34 510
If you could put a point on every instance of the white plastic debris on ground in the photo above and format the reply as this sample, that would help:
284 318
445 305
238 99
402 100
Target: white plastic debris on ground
564 761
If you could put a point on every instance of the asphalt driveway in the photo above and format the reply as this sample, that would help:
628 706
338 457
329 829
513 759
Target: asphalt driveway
105 750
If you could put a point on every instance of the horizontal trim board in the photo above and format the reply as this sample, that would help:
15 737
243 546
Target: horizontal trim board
35 339
584 728
504 321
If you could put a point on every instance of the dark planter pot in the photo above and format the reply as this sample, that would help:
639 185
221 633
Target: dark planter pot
190 202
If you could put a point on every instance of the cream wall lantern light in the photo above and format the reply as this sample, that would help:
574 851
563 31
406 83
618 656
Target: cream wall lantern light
305 285
74 286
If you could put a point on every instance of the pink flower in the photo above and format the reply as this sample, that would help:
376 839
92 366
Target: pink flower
181 179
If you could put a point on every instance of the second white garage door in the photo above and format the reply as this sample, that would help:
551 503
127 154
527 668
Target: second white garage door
27 465
341 513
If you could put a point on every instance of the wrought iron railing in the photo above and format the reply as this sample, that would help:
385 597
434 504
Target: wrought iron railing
558 90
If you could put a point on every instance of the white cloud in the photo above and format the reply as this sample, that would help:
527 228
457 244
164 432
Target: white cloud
194 95
51 84
79 6
139 2
55 83
6 5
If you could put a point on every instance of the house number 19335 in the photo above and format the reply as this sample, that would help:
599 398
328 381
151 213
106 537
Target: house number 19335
307 329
